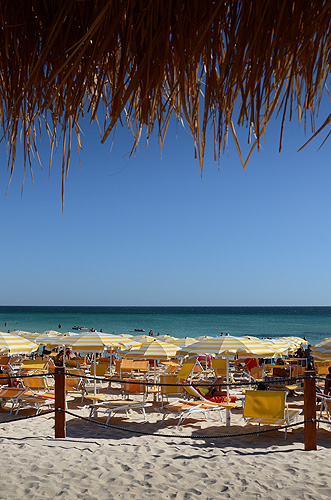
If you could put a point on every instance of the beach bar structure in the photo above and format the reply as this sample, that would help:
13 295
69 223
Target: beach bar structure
212 65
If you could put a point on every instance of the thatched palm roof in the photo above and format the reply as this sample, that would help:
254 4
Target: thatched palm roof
144 60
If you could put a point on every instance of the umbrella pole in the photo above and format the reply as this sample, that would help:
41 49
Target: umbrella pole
95 372
228 414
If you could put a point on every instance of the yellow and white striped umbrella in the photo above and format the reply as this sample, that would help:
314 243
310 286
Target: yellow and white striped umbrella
229 345
154 350
69 334
143 338
322 350
164 338
27 335
46 338
187 341
52 333
98 341
283 344
14 344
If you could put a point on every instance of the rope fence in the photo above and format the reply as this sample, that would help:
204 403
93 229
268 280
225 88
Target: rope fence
309 379
187 436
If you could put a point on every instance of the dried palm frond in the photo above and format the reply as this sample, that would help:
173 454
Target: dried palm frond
221 62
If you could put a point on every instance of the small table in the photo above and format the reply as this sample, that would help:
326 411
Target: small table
228 406
95 397
155 393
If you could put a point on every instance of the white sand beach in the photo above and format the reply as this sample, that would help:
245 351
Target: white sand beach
99 463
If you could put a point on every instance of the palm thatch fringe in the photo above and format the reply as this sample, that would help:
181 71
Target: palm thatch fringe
227 63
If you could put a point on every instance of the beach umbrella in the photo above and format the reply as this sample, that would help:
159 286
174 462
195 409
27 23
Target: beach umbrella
157 349
96 342
14 344
187 341
52 333
69 334
229 345
24 334
322 350
143 338
164 338
154 350
284 344
48 338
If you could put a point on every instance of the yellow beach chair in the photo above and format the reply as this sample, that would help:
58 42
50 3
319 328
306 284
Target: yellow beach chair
166 390
39 393
11 395
75 381
134 386
219 367
188 370
32 365
268 408
38 383
100 369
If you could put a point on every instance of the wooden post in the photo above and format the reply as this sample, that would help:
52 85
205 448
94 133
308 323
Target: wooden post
60 402
310 411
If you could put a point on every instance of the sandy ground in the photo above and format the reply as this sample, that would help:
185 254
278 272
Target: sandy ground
98 463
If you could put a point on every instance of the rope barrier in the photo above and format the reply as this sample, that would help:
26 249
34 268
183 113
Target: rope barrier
272 381
19 376
27 417
191 384
203 436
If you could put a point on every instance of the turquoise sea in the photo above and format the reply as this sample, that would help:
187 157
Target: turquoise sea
314 323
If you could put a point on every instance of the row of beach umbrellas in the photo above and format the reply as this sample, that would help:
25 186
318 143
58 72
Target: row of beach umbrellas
162 347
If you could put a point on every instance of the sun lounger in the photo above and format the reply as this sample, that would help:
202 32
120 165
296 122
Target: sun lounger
38 383
11 395
39 394
75 381
134 386
268 408
325 410
183 409
166 390
4 360
32 365
32 401
219 367
109 408
188 370
39 401
100 369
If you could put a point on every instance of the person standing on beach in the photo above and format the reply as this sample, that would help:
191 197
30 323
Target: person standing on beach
327 387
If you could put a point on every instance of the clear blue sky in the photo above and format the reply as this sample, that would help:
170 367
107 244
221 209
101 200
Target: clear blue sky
150 231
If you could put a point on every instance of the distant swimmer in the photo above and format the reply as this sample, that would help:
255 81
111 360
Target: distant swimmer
5 323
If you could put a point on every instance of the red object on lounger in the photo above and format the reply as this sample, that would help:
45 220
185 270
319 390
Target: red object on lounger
250 363
221 399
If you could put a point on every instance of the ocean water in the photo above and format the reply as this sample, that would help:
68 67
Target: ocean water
314 323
